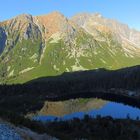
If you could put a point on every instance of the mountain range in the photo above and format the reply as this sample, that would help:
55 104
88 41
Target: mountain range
48 45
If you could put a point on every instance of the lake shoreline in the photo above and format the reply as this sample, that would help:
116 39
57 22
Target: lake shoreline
109 96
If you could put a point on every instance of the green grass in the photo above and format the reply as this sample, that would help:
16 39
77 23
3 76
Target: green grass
56 58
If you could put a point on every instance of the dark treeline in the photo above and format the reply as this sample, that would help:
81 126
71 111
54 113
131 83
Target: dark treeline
101 83
127 78
98 128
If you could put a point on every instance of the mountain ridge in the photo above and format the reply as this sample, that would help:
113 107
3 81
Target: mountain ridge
36 46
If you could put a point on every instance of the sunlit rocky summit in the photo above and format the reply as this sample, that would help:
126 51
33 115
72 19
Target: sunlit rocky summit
46 45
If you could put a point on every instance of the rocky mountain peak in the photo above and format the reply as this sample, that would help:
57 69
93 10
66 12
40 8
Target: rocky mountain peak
19 23
56 14
81 18
24 17
53 23
98 15
96 22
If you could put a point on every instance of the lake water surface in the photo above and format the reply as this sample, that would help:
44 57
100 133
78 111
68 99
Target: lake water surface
70 109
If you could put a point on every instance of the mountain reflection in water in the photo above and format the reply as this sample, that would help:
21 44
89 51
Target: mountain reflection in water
62 108
79 107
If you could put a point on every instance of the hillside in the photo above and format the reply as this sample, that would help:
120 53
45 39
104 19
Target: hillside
48 45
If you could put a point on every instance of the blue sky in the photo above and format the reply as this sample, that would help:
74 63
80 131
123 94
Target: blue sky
126 11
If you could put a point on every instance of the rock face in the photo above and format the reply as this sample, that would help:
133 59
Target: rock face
8 133
92 22
2 39
27 134
32 47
